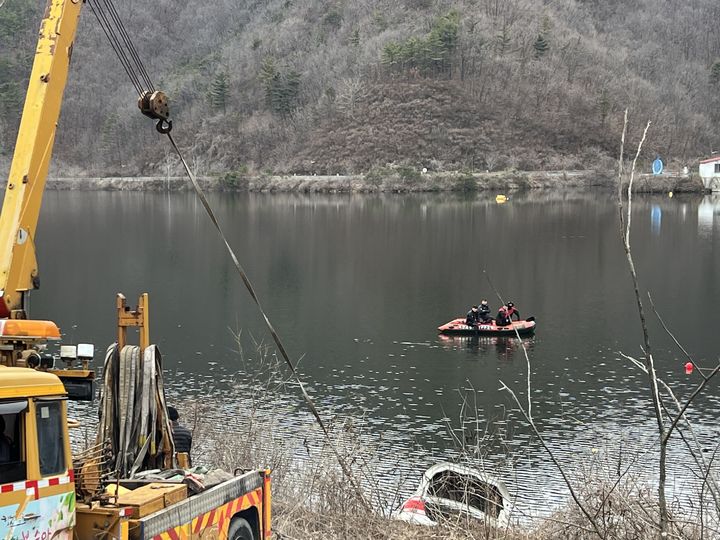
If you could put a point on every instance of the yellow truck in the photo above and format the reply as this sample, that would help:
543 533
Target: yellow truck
38 498
45 491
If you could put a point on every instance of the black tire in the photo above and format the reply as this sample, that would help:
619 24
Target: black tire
240 530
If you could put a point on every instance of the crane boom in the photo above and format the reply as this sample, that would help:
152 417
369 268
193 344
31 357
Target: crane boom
31 160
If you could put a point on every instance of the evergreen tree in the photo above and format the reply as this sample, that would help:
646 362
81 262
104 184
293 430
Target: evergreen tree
411 56
333 19
430 55
442 41
355 38
603 106
433 54
502 41
268 76
289 93
445 30
392 54
219 91
267 70
541 46
715 72
282 89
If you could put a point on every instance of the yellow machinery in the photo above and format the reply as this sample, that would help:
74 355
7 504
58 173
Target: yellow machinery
19 346
45 492
29 169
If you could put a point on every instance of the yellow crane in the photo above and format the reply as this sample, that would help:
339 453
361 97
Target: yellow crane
45 491
31 160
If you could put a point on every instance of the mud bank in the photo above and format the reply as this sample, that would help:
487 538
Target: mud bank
396 182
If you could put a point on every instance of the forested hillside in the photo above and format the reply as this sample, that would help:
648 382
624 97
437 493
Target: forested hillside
343 86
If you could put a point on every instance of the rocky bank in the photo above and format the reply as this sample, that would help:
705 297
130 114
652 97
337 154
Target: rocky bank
394 181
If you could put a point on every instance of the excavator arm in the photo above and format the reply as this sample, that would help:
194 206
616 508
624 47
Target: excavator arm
31 160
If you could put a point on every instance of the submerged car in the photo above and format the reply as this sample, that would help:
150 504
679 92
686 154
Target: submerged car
450 492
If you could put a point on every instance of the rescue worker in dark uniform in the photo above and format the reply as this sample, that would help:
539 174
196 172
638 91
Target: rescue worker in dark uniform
5 444
484 312
182 437
502 318
512 310
473 317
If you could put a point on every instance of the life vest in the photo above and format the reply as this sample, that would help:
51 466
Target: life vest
511 311
502 318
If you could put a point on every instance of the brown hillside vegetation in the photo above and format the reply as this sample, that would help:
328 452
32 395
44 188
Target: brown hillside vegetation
437 125
341 87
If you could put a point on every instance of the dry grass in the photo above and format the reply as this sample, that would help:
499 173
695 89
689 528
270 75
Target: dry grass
313 500
296 523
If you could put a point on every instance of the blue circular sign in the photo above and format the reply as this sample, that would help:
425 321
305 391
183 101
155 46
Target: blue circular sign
658 166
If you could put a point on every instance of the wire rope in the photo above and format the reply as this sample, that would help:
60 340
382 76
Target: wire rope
129 44
122 44
96 8
276 338
131 71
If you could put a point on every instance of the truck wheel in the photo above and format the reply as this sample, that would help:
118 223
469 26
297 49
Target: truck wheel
240 530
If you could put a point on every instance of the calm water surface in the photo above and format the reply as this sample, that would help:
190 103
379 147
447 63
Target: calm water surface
357 285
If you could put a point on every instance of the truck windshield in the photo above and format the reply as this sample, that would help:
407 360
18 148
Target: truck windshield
12 449
51 444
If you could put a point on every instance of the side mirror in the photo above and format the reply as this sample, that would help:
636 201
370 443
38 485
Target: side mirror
79 388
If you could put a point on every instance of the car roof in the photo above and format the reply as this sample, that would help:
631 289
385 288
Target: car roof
465 471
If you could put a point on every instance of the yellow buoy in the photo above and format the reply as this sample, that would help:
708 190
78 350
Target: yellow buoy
501 199
670 194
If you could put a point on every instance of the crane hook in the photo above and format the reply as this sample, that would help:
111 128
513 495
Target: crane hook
155 105
164 126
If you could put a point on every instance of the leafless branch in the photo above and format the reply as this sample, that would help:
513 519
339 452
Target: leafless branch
672 336
696 452
559 467
697 391
649 361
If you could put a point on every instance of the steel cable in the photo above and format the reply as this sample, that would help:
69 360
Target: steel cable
129 44
276 338
117 47
107 15
108 30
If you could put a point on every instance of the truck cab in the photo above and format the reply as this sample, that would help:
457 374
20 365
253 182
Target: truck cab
37 493
39 496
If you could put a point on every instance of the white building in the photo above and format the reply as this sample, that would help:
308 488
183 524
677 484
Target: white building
710 173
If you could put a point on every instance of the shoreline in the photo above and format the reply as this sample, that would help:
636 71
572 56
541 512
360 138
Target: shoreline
395 182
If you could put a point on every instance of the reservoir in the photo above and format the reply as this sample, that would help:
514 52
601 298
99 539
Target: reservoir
356 285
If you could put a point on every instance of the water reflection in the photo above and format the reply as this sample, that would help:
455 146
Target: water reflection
504 348
707 210
357 286
655 219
